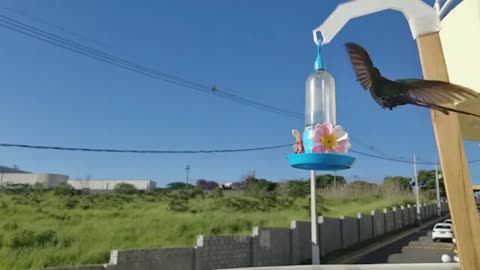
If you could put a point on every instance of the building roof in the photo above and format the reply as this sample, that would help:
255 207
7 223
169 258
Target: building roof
4 169
112 180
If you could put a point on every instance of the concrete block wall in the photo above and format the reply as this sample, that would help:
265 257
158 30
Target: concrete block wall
213 252
330 235
378 223
428 210
423 211
350 233
86 267
301 242
412 214
398 218
389 220
365 227
434 210
444 207
266 246
153 259
405 217
272 246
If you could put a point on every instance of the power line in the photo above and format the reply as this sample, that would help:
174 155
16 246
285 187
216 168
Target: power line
39 147
142 151
98 55
392 159
123 63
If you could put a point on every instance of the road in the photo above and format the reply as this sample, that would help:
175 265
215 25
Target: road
415 248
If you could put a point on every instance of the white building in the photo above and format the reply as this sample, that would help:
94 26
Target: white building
104 185
46 179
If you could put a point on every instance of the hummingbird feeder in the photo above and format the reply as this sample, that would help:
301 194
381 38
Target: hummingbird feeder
324 144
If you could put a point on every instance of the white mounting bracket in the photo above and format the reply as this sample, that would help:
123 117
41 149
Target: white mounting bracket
421 17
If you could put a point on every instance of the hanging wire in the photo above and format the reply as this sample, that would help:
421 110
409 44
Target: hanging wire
143 151
84 50
42 147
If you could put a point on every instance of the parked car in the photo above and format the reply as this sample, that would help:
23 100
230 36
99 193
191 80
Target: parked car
449 221
442 231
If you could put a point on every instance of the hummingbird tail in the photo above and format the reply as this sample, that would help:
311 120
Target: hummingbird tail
461 112
446 110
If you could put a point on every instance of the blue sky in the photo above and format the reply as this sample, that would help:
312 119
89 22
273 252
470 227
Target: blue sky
262 50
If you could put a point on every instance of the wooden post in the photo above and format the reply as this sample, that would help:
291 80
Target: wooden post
453 161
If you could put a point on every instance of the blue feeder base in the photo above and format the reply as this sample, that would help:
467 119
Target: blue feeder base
321 162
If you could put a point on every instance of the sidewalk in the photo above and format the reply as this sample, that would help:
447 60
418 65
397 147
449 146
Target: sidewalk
351 257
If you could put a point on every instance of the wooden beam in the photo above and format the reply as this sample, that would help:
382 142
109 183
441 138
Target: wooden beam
451 151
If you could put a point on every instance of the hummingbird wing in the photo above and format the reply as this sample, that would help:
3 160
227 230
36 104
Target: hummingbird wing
362 65
436 92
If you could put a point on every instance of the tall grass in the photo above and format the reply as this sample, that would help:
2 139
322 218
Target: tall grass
41 229
349 200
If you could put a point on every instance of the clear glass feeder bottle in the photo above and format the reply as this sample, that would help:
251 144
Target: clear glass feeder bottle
320 104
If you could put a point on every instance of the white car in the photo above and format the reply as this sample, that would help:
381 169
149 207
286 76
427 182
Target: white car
442 231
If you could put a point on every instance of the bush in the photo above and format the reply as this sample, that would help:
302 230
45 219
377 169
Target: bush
70 203
179 201
284 202
20 239
27 238
195 192
46 237
178 205
217 193
321 208
3 205
38 187
64 189
243 204
258 187
10 226
125 189
29 199
298 188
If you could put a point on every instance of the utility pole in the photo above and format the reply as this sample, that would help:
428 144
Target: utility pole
314 222
188 173
417 190
437 185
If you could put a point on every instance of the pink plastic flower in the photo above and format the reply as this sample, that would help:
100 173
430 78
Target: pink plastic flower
329 139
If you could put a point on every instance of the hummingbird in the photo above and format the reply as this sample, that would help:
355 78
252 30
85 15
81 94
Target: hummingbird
392 93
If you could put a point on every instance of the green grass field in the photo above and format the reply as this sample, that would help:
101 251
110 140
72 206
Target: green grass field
41 229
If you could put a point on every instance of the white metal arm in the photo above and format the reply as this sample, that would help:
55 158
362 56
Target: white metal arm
421 17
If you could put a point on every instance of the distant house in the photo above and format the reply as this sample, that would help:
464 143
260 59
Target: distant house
232 185
47 180
105 185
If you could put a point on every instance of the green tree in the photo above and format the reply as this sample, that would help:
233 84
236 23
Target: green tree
398 181
298 188
258 187
328 180
179 185
124 188
426 181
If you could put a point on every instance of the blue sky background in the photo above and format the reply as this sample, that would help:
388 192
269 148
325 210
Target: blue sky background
262 50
